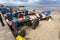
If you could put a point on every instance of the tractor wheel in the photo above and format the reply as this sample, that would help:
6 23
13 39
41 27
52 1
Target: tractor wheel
35 23
21 32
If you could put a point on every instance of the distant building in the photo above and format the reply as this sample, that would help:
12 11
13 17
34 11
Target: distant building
21 6
1 5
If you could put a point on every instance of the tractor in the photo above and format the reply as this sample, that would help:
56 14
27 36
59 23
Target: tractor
19 20
18 23
26 19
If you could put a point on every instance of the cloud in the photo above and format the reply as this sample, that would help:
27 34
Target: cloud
11 2
33 1
23 0
55 0
29 2
18 2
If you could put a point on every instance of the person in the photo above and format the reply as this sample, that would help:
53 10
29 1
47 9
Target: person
26 12
16 13
1 20
34 10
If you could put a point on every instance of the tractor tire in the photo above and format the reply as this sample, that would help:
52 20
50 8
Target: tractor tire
35 23
22 33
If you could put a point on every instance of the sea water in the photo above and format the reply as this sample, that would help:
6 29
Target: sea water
57 8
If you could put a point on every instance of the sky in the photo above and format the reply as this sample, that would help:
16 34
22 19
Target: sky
30 2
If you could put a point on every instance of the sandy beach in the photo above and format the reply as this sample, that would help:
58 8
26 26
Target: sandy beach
47 30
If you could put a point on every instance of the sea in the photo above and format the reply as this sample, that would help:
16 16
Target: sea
56 8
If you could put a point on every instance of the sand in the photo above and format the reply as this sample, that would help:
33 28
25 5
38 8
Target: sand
5 33
47 30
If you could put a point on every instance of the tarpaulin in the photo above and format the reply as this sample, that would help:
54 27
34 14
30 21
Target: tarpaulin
46 12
